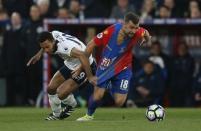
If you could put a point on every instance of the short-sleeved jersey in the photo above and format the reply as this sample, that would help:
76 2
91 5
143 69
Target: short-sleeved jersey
112 51
65 43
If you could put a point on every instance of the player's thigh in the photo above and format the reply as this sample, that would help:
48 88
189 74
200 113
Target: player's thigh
81 78
55 82
119 99
120 83
100 89
66 88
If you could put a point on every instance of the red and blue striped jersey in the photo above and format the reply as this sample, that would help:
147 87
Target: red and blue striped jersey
113 52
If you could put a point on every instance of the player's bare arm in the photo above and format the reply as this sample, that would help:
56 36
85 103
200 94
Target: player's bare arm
88 51
85 64
146 38
35 58
90 47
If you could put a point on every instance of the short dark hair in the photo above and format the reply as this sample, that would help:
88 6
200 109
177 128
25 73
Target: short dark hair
45 36
130 16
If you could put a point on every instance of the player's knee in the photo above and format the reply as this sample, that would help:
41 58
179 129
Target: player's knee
119 102
98 96
61 94
51 90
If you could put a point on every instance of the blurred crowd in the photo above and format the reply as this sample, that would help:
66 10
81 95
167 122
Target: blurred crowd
102 8
160 78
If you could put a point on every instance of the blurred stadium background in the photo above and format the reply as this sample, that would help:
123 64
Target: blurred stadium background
168 67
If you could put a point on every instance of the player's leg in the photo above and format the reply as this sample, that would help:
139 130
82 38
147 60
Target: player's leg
119 99
120 86
65 90
95 99
55 102
68 101
93 103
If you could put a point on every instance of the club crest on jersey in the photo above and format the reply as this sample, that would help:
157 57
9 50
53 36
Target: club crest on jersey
100 35
105 32
143 33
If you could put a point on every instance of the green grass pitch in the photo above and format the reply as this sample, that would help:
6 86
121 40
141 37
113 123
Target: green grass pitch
106 119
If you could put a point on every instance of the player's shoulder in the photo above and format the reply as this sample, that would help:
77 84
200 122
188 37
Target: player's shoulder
108 31
113 26
56 34
140 32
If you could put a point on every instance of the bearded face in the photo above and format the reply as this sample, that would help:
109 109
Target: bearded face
130 28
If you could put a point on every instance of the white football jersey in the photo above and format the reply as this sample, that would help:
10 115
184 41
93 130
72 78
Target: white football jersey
65 44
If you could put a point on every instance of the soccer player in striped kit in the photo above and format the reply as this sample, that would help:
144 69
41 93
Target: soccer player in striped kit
114 67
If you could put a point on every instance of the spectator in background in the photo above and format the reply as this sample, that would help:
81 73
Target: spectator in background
197 89
137 4
63 13
147 87
164 12
3 15
182 76
148 9
1 4
192 5
165 62
97 8
174 12
75 9
136 67
14 62
44 6
34 73
195 13
158 57
20 6
121 8
56 5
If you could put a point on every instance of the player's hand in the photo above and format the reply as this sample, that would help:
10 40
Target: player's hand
93 80
146 39
33 60
76 72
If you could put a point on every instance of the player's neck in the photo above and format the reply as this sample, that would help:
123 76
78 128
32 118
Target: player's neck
55 46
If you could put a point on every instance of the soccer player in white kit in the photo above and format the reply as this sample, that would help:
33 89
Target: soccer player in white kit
64 81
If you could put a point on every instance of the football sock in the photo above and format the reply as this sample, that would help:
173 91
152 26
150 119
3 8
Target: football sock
92 105
70 100
55 104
